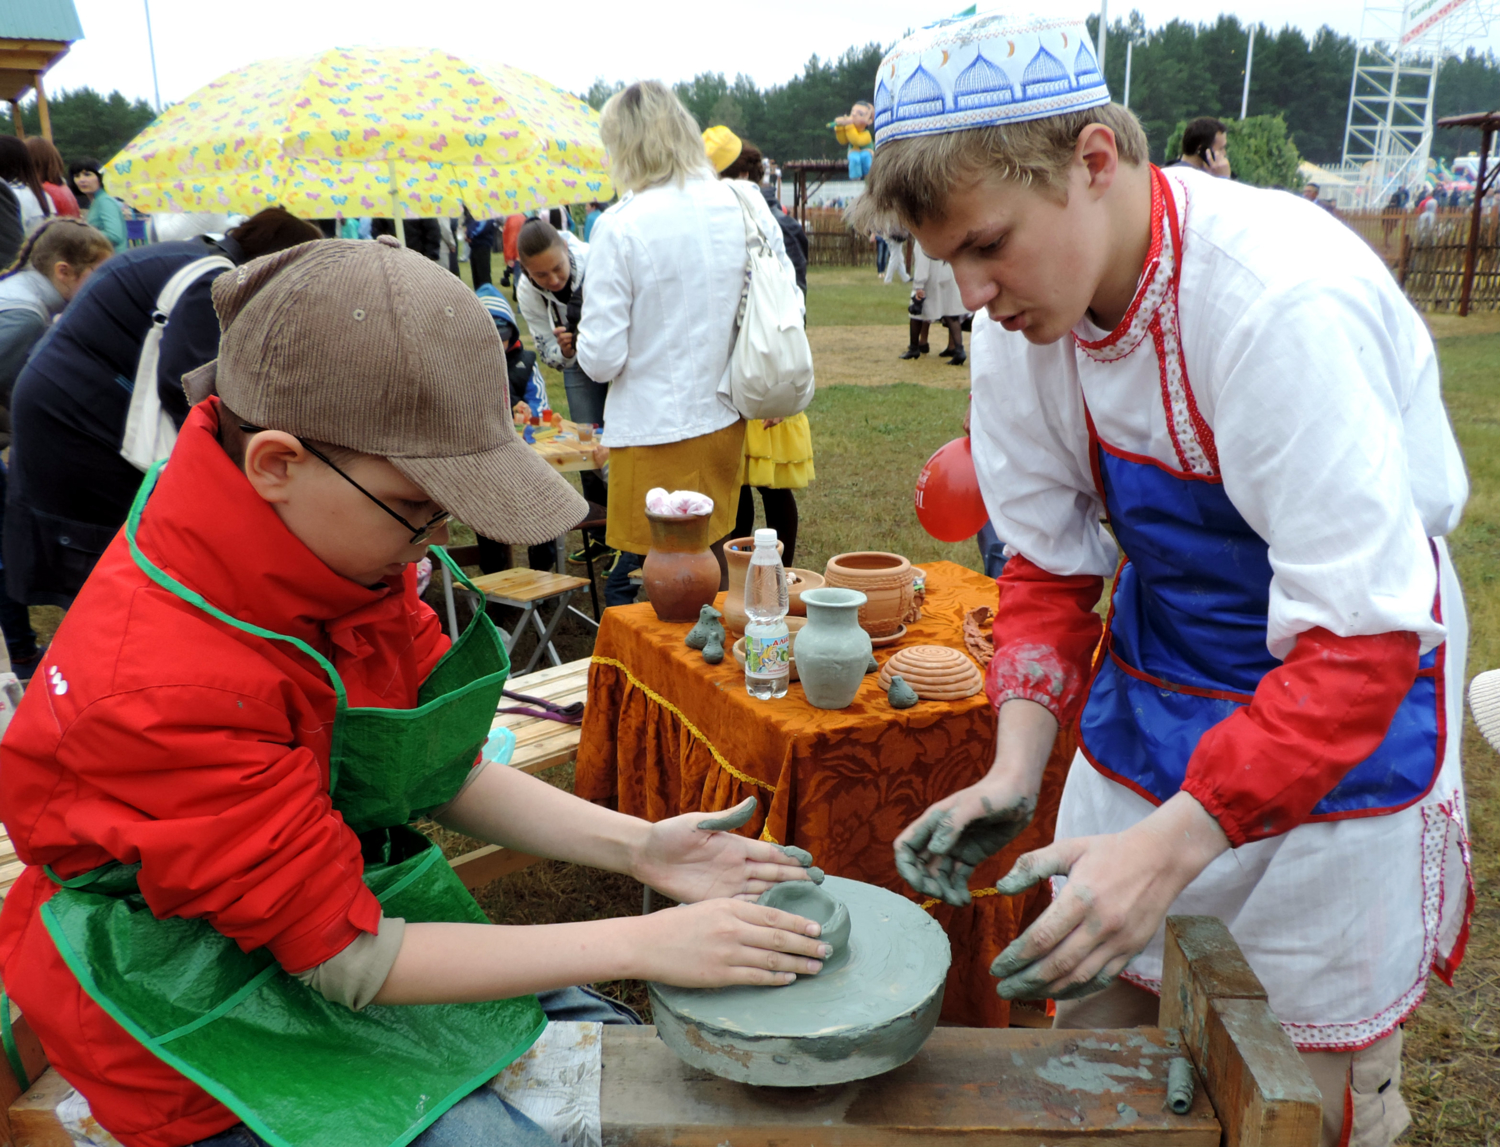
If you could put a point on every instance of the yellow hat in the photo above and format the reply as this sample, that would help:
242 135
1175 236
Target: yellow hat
722 145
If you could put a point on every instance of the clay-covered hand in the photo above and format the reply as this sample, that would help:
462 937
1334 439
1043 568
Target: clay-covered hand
936 854
723 942
693 857
1118 892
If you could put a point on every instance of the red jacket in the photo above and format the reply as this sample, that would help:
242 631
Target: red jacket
155 733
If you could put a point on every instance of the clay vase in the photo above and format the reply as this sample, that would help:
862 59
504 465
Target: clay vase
738 552
883 578
832 650
936 672
681 575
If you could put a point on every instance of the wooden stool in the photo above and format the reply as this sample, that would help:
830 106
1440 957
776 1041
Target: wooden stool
528 591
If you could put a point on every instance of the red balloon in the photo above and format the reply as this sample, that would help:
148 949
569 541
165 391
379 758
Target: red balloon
949 504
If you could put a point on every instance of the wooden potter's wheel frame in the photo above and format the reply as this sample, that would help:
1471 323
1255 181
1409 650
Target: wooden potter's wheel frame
1008 1087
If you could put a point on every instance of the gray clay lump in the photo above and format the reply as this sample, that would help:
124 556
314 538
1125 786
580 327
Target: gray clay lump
806 898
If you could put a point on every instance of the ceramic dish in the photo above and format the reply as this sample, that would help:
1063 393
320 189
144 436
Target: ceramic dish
797 582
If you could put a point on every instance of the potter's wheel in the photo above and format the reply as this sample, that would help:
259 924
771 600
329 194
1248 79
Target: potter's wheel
860 1017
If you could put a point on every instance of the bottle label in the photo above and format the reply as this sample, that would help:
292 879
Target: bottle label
768 656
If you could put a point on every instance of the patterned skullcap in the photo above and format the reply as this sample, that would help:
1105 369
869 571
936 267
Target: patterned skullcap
977 71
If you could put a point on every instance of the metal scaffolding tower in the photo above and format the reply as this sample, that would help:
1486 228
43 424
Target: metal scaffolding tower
1388 133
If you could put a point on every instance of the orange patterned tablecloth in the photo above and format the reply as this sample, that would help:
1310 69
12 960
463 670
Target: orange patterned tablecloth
665 732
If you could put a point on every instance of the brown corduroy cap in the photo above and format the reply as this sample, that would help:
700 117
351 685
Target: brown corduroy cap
372 347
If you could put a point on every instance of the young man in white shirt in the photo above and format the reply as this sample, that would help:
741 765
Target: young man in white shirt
1234 382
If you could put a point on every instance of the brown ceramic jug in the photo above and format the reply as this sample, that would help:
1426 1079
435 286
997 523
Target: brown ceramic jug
681 574
738 552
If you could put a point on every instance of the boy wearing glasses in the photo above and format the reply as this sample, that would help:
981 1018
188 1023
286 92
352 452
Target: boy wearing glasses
226 933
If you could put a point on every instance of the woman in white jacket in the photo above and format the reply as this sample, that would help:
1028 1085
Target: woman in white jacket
665 273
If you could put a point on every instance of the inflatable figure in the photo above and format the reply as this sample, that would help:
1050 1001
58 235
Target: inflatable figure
853 130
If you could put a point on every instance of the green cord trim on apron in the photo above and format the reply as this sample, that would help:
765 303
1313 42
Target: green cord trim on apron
12 1051
296 1068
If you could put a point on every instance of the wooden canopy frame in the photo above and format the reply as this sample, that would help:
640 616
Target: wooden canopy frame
22 65
819 171
1487 123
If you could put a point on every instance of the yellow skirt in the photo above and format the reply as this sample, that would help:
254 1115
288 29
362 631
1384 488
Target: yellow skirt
781 457
711 464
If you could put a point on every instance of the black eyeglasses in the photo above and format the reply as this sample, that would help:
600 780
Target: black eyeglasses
419 534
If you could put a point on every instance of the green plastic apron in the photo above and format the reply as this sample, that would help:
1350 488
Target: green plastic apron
299 1070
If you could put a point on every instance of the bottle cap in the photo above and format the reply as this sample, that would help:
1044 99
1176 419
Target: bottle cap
765 538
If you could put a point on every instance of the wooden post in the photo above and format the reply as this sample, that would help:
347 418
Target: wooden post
1260 1088
41 105
1471 252
15 119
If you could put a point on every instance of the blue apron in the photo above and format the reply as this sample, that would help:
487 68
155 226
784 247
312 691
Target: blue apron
1185 645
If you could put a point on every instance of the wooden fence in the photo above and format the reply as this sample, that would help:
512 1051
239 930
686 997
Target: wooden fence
830 243
1431 269
1428 259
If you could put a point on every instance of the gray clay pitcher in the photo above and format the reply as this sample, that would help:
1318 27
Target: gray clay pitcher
832 650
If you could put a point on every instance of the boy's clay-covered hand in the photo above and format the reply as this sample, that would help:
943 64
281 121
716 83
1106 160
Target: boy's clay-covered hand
723 942
692 858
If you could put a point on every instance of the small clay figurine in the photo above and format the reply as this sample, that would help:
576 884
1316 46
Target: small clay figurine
713 652
707 625
901 695
853 131
873 666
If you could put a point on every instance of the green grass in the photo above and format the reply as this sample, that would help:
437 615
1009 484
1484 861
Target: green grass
1453 1041
854 297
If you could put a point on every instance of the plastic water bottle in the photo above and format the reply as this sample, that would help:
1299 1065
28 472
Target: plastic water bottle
768 642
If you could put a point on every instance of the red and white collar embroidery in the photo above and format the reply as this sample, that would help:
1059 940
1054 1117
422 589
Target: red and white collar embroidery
1154 311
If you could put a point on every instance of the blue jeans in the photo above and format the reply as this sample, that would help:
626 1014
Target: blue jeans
482 1118
991 550
586 405
619 589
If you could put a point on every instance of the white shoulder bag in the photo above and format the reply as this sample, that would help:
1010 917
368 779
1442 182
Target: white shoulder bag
149 431
771 368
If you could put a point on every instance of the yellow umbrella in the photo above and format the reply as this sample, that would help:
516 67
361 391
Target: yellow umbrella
364 132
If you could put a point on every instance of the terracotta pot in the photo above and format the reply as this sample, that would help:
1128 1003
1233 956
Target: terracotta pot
883 578
738 552
799 582
681 575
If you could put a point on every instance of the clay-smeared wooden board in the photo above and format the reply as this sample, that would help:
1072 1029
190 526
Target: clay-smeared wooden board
984 1087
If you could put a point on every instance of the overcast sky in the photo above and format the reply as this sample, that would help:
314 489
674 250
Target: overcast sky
567 43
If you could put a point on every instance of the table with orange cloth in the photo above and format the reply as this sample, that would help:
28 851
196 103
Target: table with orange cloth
664 732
